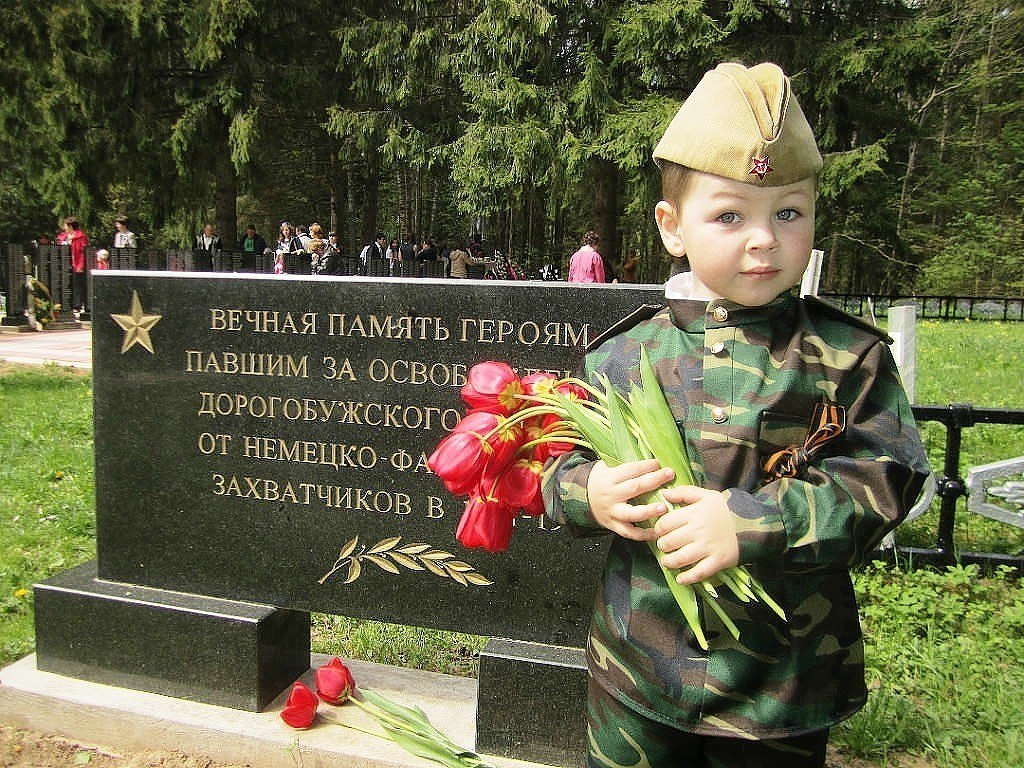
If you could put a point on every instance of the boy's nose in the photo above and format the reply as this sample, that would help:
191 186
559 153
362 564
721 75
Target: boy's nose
762 237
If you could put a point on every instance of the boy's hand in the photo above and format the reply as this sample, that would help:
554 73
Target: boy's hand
701 534
610 489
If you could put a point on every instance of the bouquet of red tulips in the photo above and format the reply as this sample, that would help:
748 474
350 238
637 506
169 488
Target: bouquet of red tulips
496 453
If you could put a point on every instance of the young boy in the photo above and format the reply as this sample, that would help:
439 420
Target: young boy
746 367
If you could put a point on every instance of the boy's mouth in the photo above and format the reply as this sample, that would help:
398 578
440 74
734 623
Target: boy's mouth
761 272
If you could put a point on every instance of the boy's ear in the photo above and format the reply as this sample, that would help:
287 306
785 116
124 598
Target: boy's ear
667 218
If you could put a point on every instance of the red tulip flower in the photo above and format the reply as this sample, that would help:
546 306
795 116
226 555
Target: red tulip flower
519 483
300 709
538 383
334 682
574 391
551 447
486 523
503 445
535 506
461 456
493 387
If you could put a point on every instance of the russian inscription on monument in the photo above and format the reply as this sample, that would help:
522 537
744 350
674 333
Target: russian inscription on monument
264 439
272 447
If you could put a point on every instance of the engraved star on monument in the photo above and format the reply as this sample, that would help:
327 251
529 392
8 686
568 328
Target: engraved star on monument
137 326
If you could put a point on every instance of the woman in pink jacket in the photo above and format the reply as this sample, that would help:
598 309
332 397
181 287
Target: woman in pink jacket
586 265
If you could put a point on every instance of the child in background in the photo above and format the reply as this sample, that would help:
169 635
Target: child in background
102 259
746 366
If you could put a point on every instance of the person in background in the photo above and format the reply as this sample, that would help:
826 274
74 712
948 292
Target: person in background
206 244
253 248
630 266
317 249
124 237
428 251
408 250
460 259
323 256
102 259
374 250
394 256
77 241
287 241
303 234
586 265
334 245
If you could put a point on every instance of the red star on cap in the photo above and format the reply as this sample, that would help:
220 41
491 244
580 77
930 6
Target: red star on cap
762 166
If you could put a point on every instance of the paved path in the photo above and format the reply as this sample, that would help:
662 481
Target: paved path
72 347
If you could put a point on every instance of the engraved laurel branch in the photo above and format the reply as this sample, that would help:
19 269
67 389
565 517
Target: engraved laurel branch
388 556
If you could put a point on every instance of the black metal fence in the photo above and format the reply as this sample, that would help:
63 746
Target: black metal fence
1009 308
951 487
52 265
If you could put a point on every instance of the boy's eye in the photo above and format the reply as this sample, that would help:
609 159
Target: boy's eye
728 217
787 214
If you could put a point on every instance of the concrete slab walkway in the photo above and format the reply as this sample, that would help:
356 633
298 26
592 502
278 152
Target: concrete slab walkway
70 348
118 719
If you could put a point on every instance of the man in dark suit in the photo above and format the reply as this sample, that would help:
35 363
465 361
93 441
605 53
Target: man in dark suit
207 242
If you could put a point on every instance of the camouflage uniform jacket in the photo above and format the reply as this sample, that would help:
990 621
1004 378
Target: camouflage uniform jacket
743 383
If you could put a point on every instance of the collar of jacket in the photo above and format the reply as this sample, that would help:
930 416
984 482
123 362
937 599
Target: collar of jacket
697 315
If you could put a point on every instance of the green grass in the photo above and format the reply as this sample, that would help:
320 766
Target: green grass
979 363
943 655
942 649
47 522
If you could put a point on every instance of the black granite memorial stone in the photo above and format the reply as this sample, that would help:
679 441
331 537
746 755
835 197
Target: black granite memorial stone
224 652
262 440
266 439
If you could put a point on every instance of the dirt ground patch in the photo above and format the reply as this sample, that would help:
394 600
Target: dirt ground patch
25 749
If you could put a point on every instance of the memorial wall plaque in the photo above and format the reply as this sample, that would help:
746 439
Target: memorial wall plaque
265 438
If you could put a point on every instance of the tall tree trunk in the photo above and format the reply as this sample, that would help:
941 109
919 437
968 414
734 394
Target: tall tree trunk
335 182
350 211
406 216
371 198
832 270
606 209
225 190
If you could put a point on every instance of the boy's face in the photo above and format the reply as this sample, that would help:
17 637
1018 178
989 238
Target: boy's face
746 244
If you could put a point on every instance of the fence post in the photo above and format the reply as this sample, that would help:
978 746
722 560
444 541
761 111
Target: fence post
812 274
903 330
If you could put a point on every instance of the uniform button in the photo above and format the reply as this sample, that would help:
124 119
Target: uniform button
718 348
718 415
721 314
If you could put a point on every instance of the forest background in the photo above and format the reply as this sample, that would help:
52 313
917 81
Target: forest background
526 121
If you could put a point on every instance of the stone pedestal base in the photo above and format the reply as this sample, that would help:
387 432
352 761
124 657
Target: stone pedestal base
531 702
204 649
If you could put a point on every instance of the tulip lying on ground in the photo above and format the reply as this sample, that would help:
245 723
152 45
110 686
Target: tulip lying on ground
408 727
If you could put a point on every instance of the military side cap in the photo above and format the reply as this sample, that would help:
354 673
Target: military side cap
743 124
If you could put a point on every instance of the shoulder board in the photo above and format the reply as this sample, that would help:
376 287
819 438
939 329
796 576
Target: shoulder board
637 316
815 304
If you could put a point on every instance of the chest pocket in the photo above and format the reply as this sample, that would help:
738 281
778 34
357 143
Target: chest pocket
787 444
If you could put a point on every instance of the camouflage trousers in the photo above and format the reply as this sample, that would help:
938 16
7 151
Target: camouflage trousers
619 737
